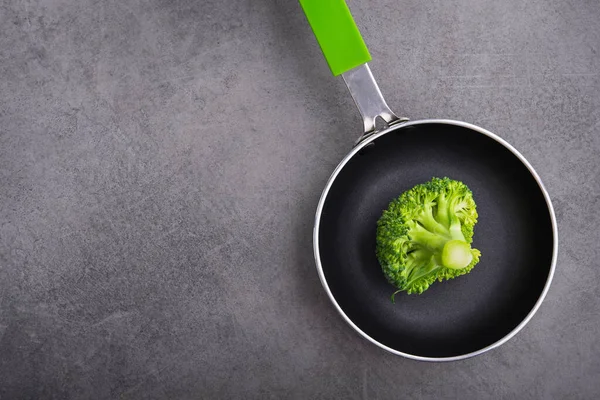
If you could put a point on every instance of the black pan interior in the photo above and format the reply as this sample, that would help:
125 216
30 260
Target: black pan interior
514 234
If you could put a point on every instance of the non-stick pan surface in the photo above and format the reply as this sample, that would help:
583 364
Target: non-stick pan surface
515 235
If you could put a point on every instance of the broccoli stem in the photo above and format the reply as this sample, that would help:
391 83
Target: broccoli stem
456 254
430 267
432 241
430 223
442 210
452 250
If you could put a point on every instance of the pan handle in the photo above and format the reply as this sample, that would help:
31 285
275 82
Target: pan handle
368 99
347 55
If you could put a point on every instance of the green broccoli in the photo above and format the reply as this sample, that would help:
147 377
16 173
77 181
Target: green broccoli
426 234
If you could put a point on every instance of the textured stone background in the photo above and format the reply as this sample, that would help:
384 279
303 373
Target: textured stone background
161 161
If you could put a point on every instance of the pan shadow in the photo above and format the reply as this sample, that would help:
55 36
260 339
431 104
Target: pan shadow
294 37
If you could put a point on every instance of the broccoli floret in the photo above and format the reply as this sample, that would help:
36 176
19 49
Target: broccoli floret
426 234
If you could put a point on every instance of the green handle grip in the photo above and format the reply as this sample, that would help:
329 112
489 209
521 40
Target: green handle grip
337 34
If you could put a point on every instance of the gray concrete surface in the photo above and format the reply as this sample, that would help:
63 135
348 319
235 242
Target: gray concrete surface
161 161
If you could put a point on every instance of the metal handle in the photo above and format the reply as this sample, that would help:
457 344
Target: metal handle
368 99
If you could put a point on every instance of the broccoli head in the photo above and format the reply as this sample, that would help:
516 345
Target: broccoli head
426 234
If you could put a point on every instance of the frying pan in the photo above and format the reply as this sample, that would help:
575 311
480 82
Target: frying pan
516 232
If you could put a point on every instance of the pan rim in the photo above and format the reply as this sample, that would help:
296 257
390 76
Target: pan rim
475 128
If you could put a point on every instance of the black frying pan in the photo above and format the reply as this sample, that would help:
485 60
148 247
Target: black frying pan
516 232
